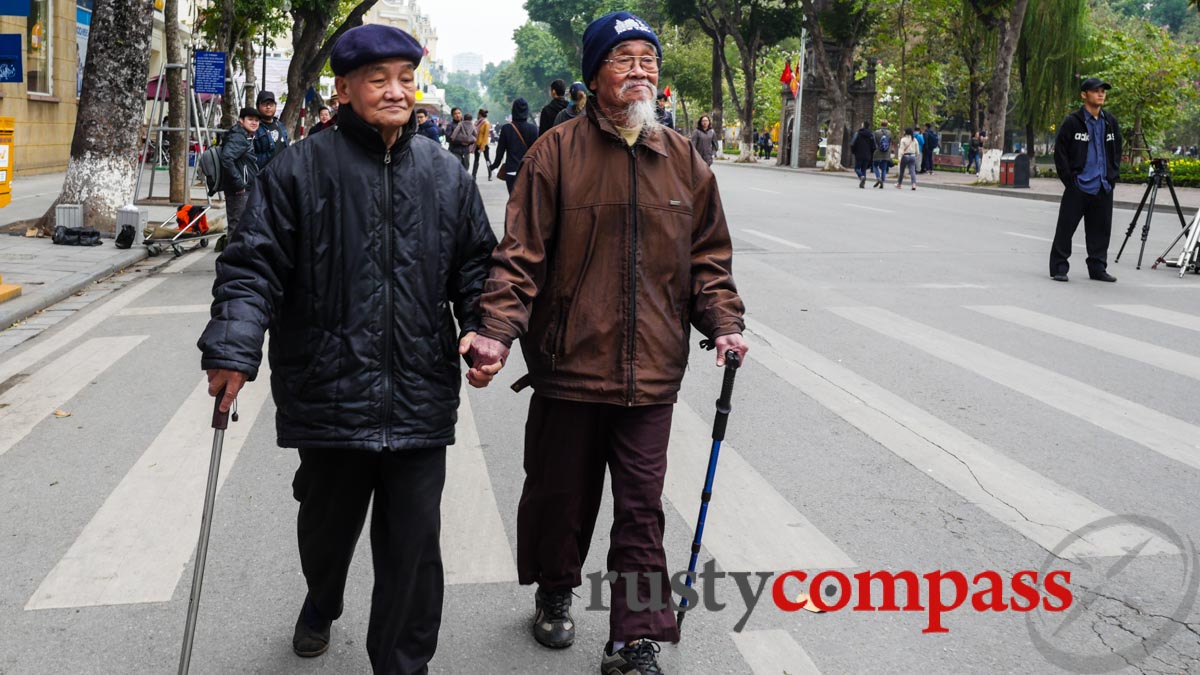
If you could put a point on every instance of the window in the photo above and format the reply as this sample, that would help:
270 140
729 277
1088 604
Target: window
38 48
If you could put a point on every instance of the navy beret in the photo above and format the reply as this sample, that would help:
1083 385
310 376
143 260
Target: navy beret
370 43
607 32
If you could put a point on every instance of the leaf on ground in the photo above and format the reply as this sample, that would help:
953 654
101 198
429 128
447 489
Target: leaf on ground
61 413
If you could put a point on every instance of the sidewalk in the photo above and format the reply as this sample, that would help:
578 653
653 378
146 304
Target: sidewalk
1125 195
48 273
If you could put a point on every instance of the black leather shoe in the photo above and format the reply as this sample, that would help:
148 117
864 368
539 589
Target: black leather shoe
1060 277
1103 276
312 634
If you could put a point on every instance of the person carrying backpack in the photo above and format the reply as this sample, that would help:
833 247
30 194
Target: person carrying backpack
461 136
883 154
239 166
515 139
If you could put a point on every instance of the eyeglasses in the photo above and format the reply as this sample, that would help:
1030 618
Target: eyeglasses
624 64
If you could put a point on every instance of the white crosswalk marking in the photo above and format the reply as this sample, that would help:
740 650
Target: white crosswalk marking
1025 500
33 400
1166 435
750 526
136 546
773 652
777 240
165 309
475 549
1150 354
81 326
1171 317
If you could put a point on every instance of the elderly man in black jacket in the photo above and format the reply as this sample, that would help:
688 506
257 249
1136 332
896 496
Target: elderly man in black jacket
358 250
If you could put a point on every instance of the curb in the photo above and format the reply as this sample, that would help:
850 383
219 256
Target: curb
1159 207
25 306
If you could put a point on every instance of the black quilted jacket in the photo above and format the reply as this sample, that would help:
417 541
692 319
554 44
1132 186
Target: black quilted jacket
354 258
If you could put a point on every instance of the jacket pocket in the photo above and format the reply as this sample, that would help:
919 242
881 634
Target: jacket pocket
317 358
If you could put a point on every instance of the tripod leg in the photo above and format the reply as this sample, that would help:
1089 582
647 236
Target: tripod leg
1178 209
1163 258
1133 223
1149 216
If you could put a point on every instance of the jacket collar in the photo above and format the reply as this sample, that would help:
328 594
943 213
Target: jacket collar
655 142
368 136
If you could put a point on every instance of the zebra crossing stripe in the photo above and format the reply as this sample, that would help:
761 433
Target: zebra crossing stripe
165 309
773 652
475 548
750 526
1166 435
1035 506
1137 350
32 400
140 540
1171 317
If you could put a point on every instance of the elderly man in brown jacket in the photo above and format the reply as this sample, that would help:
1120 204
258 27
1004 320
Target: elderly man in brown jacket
615 244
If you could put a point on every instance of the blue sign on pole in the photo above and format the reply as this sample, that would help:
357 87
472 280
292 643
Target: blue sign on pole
210 73
14 7
10 58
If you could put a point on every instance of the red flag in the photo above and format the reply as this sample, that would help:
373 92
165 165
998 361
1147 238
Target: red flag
786 77
667 91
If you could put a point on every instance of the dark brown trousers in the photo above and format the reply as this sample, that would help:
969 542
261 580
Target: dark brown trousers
567 447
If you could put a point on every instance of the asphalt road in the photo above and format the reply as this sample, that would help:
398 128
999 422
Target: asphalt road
919 396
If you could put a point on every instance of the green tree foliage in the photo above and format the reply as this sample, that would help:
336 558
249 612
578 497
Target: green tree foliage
538 62
1153 77
458 96
1051 45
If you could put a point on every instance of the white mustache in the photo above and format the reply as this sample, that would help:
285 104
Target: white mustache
630 84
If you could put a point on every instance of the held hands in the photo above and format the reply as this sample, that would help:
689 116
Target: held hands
231 380
732 341
486 356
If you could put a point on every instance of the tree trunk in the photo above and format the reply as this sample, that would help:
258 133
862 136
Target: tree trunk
176 104
252 84
101 172
310 51
232 97
718 93
997 109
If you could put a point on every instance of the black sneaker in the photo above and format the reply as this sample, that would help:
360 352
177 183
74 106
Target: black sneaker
636 658
312 633
553 626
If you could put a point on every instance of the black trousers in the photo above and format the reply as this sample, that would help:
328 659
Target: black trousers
334 488
463 154
487 164
1096 212
568 445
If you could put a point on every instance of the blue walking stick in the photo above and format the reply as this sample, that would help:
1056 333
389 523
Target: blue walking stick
732 362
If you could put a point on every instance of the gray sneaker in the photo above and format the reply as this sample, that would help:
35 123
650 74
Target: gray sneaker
553 626
635 658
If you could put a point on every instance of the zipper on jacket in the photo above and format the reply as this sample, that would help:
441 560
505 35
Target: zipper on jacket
632 271
387 300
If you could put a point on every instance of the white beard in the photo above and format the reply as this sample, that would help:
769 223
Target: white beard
643 113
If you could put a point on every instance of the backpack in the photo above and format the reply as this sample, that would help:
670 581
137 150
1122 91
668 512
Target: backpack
463 133
885 143
210 165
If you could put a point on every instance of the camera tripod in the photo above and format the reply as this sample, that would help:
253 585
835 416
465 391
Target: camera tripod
1189 258
1159 173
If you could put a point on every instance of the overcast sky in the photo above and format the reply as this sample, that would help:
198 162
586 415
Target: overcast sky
480 26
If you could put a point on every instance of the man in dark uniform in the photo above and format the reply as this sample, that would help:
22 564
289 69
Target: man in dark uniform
1087 156
359 248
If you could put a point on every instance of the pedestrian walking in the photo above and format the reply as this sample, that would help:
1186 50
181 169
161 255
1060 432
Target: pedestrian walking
558 101
461 137
974 152
238 166
932 142
665 117
882 159
515 139
603 266
863 149
272 137
360 249
578 98
917 134
704 139
426 126
483 139
1087 158
909 151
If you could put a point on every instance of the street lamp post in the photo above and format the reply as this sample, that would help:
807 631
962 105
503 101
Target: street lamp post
799 98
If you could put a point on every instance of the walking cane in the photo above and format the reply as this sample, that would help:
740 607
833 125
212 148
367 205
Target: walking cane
220 423
732 362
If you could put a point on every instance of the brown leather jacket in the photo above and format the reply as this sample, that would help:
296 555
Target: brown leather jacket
609 253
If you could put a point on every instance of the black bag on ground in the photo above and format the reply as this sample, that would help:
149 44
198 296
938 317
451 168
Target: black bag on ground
76 236
125 237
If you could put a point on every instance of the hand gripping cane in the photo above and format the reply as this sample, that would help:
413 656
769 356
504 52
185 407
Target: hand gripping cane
732 362
220 423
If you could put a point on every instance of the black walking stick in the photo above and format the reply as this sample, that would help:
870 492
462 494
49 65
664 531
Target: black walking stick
732 362
220 423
